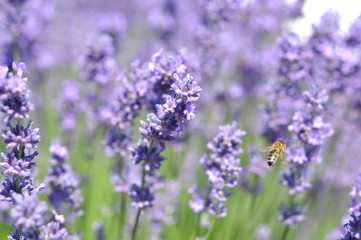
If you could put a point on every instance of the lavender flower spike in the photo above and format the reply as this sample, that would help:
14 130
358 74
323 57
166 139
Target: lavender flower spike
64 185
353 226
28 213
165 125
222 169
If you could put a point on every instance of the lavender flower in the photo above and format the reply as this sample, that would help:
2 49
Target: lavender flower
98 229
98 64
291 216
25 23
68 105
27 212
167 123
13 94
64 185
114 25
19 161
53 229
164 126
222 169
162 68
353 226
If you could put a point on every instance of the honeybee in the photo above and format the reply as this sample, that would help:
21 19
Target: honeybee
276 150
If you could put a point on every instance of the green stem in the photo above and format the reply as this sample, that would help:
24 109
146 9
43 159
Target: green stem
136 225
285 233
141 191
123 209
210 229
195 232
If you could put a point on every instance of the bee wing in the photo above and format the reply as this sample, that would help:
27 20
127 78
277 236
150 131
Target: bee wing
266 149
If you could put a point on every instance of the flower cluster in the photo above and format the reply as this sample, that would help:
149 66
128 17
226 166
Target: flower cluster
18 161
13 93
98 64
68 105
222 169
64 192
161 127
352 227
161 68
114 25
23 26
309 131
17 187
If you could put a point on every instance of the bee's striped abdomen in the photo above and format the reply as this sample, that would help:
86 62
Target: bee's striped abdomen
272 156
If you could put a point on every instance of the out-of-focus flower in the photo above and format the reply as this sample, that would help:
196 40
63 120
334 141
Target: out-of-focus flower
98 229
291 216
68 105
98 64
64 193
28 211
352 227
222 169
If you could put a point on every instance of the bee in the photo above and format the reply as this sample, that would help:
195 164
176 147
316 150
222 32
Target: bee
276 150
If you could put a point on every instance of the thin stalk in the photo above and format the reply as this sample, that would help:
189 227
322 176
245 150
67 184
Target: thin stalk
123 209
195 232
286 230
210 228
285 233
141 191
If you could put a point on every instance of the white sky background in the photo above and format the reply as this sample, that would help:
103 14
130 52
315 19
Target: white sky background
314 9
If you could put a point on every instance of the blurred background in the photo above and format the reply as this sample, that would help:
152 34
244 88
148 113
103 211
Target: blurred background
278 69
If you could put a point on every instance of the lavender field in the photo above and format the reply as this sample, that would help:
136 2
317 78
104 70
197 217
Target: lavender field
158 120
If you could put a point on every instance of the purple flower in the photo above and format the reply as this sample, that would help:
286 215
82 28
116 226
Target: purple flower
291 216
68 105
64 194
127 105
98 64
316 98
222 169
295 181
25 24
20 136
116 143
114 25
142 198
171 116
353 226
13 165
123 179
14 96
151 158
161 127
28 211
98 229
161 69
297 155
53 229
353 37
17 187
